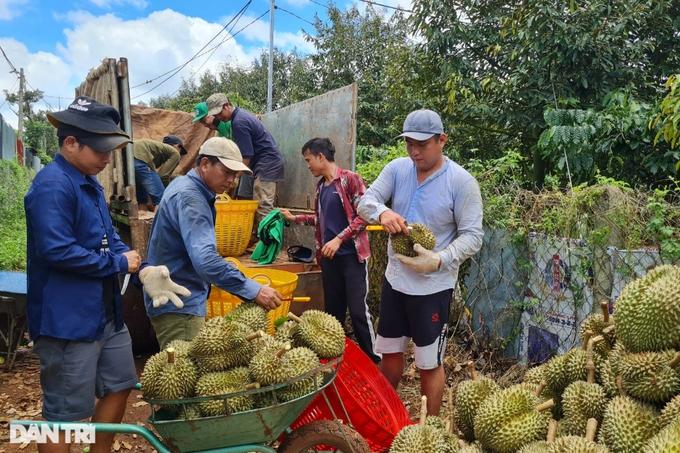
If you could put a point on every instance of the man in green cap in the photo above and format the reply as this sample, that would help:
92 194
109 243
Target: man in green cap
201 115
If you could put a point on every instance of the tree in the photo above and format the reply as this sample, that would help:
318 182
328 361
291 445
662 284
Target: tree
41 135
503 63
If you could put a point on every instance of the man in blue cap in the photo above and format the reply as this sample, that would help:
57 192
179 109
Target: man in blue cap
425 187
74 257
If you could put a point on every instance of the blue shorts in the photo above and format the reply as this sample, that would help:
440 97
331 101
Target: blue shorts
73 373
422 318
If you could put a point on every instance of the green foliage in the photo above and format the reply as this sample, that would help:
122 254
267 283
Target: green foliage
371 160
664 224
670 113
14 183
40 135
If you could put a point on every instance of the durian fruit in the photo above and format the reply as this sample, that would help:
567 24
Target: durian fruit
535 375
221 344
627 425
582 401
219 383
188 412
169 376
243 350
647 311
320 332
470 395
268 368
556 374
579 444
667 440
651 376
420 438
250 314
419 234
670 412
541 446
576 360
471 448
181 347
300 360
607 378
510 418
286 330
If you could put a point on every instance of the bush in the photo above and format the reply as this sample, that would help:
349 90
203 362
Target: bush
14 183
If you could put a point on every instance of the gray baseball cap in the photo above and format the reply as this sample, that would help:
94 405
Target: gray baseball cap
422 124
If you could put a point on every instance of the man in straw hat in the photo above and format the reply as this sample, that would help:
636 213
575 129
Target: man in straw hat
74 256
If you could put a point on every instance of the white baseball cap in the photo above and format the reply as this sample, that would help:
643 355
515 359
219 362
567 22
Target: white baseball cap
227 152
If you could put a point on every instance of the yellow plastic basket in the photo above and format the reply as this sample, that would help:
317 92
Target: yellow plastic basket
233 224
220 302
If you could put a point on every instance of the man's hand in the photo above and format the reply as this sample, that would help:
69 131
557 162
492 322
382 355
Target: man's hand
393 223
268 298
287 215
330 247
426 261
159 286
134 261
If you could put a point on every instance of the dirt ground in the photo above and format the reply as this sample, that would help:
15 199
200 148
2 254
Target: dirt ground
21 397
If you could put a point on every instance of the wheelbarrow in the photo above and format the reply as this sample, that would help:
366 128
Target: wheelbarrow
242 432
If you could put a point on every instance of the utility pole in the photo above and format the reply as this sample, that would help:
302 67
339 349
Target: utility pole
270 75
21 104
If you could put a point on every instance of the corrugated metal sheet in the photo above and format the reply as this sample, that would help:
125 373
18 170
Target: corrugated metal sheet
8 141
331 115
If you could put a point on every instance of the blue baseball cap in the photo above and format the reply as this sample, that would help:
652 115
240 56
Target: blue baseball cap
421 125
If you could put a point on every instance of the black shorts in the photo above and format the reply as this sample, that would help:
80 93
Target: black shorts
422 318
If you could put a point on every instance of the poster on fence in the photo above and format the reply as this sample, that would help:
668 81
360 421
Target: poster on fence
558 297
629 265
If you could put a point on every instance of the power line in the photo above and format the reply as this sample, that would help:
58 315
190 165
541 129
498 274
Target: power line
320 4
14 70
196 55
396 8
231 36
293 14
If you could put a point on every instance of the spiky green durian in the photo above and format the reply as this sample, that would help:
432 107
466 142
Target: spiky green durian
217 383
188 412
221 344
250 314
419 234
420 438
320 332
535 375
575 444
510 418
666 441
670 412
540 446
647 311
471 448
181 347
470 395
627 425
651 376
300 360
170 377
607 379
268 367
556 375
286 330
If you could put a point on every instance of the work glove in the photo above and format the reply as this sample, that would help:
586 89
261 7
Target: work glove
426 261
159 286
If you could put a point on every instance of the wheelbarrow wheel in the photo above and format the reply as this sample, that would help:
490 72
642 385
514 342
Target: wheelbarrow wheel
324 436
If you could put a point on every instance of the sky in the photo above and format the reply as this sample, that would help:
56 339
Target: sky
58 42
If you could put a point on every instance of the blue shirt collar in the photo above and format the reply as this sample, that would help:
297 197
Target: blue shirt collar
205 190
75 174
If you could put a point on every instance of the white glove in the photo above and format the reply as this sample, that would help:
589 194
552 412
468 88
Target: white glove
426 261
159 286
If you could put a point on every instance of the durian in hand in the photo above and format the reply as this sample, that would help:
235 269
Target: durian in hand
627 425
510 418
470 395
420 438
320 332
418 234
647 311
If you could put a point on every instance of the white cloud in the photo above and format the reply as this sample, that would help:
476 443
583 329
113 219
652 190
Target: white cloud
258 33
10 8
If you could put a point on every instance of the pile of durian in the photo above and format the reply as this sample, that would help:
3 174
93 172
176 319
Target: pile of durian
232 354
618 393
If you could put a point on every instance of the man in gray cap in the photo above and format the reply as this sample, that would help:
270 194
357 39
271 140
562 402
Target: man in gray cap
259 150
183 238
425 187
74 257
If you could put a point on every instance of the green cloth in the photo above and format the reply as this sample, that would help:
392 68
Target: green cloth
224 130
270 232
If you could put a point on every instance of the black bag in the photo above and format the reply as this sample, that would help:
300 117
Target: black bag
300 253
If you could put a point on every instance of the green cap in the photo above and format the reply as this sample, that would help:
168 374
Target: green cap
200 110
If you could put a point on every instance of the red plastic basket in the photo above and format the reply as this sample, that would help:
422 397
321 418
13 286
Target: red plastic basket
374 408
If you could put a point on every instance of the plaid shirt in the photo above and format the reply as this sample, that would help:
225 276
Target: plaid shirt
351 187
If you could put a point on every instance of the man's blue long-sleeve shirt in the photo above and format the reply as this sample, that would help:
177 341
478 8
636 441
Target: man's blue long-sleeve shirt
67 262
183 239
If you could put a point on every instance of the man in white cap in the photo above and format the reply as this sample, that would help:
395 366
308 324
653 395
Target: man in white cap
74 257
425 187
183 239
